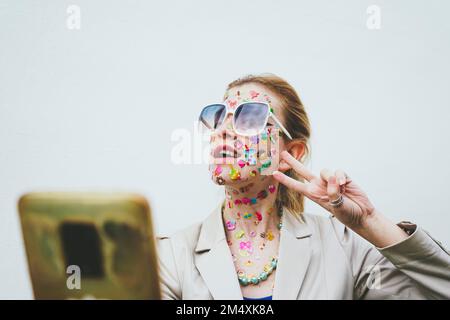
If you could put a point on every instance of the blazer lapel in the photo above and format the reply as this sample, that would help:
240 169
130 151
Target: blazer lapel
293 257
214 262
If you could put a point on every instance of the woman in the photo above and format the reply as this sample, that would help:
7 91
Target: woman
259 244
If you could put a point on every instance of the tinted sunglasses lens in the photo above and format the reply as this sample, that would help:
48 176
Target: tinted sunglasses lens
250 118
212 116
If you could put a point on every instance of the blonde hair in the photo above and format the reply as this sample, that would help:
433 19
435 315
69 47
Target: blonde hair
297 124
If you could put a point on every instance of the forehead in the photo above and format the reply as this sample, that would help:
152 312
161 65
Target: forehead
249 92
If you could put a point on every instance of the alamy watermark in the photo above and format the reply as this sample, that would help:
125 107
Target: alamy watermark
373 21
73 281
73 20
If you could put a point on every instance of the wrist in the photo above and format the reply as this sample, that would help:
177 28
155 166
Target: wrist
380 231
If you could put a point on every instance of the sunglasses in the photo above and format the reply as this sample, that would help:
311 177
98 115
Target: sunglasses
249 118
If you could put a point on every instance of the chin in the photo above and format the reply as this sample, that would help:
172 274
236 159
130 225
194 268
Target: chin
232 175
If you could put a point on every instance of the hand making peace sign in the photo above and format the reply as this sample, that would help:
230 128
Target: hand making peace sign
336 192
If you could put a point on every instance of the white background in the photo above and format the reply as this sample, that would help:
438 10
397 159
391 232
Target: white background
95 108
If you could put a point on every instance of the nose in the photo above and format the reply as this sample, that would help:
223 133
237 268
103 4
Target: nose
225 130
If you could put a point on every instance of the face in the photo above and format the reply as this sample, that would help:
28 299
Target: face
238 160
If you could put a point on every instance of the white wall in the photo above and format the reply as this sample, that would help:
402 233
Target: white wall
95 108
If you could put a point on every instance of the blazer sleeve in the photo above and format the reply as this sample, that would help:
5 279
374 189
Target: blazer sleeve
168 274
415 268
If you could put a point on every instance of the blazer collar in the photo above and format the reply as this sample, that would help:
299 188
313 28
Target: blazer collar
212 231
214 261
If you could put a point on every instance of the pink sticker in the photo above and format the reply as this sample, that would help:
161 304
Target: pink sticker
232 103
231 225
241 163
245 245
218 170
253 94
271 188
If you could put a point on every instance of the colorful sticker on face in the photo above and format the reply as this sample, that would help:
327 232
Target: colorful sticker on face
264 166
239 234
232 103
241 163
272 188
220 181
234 174
250 156
218 171
231 225
258 216
253 94
245 245
247 215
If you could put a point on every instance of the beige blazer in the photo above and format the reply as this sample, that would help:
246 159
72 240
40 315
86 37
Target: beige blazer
319 258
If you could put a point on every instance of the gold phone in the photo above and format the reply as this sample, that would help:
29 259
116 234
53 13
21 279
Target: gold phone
89 245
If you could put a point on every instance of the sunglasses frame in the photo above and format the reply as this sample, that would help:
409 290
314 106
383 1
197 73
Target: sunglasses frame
228 110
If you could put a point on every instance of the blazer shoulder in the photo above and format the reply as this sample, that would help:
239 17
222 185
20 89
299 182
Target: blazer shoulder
185 238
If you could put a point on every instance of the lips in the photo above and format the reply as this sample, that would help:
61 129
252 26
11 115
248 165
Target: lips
225 151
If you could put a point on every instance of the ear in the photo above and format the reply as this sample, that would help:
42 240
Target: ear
296 149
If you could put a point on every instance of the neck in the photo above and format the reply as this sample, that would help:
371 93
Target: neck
252 208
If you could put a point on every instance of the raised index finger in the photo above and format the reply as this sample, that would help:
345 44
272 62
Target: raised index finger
297 166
